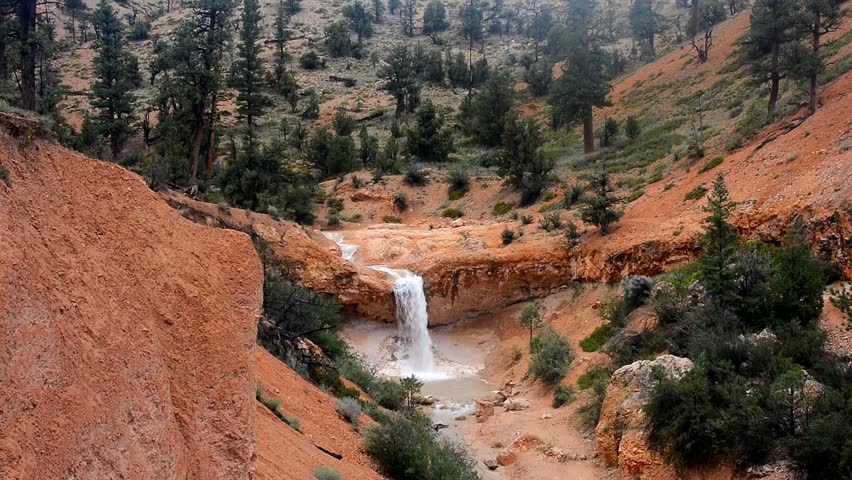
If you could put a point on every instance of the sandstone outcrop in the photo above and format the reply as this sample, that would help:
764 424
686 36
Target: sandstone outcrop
127 333
621 434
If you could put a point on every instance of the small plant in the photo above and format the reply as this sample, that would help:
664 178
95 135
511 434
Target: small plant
597 338
632 128
842 299
452 212
508 236
526 219
350 409
310 61
295 424
326 473
414 176
4 175
516 354
563 395
454 195
399 201
711 164
550 221
356 181
551 357
459 182
411 389
573 196
332 219
668 186
696 193
572 233
502 208
634 195
335 205
391 219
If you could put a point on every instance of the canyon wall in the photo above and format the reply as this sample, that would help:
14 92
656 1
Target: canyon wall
127 333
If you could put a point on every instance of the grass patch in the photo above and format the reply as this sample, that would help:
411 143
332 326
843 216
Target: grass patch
696 193
711 164
502 208
456 194
548 207
593 375
652 145
598 337
391 219
634 195
273 405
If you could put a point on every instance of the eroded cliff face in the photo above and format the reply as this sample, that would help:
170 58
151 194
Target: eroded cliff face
127 333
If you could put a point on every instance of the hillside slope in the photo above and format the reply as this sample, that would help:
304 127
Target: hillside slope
127 333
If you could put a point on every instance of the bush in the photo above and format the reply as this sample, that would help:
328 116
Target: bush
508 236
597 338
391 219
516 354
414 177
637 290
632 128
551 357
408 447
387 393
350 409
572 233
139 31
591 412
562 395
310 61
550 221
502 208
399 201
711 164
452 212
696 193
458 179
526 219
326 473
573 196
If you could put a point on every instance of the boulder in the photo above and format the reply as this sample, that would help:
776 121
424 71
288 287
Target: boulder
621 434
484 410
506 458
516 404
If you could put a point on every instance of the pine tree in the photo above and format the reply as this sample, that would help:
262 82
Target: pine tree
247 75
583 84
471 16
531 320
600 209
522 163
773 25
393 6
719 242
337 40
435 17
114 78
429 140
409 11
806 61
798 281
400 77
645 23
368 147
378 10
360 20
26 14
491 107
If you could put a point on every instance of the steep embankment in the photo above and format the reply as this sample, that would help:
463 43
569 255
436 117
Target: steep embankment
127 333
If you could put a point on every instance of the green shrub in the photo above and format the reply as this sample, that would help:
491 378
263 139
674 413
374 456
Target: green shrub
550 221
696 193
508 236
310 61
551 357
391 219
634 195
399 201
517 354
452 212
502 208
562 395
387 393
295 424
350 409
573 196
454 195
591 412
668 186
592 376
597 338
526 219
326 473
414 177
458 179
711 164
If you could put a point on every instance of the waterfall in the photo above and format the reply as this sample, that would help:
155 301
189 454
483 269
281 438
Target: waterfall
411 314
412 317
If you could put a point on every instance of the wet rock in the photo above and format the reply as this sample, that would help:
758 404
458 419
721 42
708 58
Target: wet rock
516 404
484 410
428 400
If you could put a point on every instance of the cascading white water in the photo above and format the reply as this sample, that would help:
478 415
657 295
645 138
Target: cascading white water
411 312
412 317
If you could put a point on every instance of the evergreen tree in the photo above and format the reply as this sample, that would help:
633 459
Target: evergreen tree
378 10
393 6
522 163
409 11
773 24
531 320
114 78
435 17
471 16
399 74
337 40
292 6
719 243
429 140
457 70
368 147
798 281
600 209
632 128
247 74
26 15
645 23
583 84
360 20
332 154
538 77
806 61
490 108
